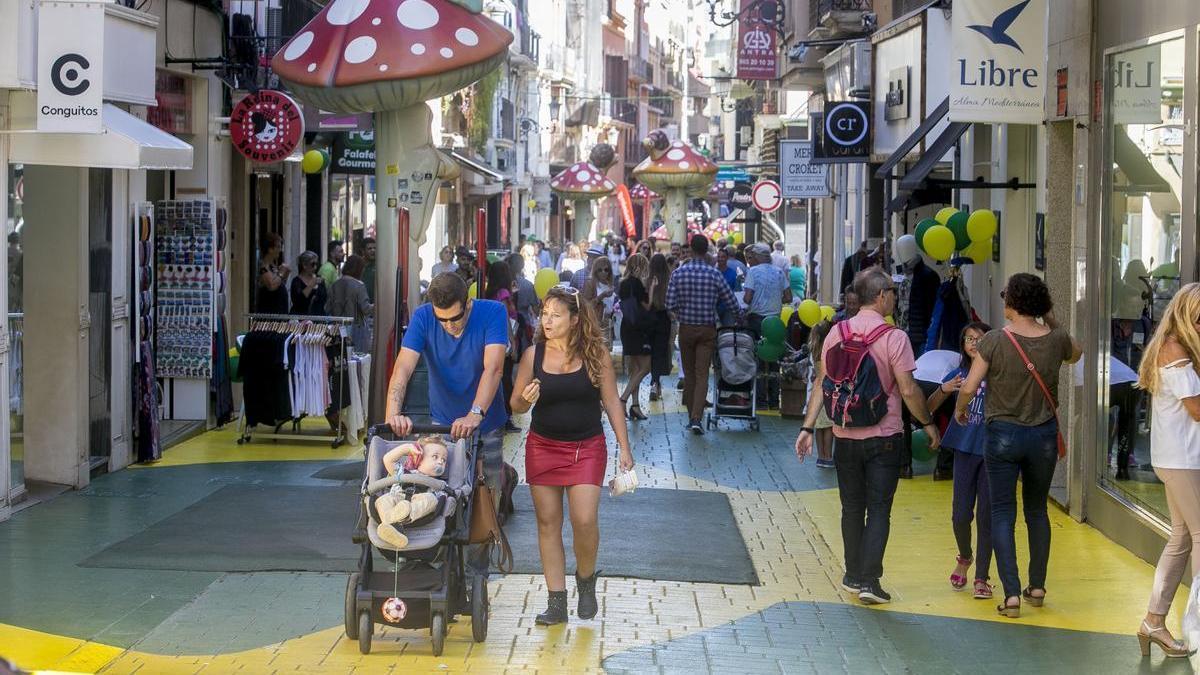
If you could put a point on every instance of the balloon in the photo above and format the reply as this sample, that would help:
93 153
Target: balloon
544 281
769 351
810 312
906 248
939 242
979 251
943 216
920 446
730 240
473 290
773 330
827 312
958 226
922 228
786 315
981 225
889 320
314 161
737 238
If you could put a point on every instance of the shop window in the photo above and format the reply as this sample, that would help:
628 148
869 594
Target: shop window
1144 111
16 328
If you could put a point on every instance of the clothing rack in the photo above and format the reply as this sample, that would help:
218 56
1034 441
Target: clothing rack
285 323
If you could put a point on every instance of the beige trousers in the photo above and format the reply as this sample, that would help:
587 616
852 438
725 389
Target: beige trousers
1183 500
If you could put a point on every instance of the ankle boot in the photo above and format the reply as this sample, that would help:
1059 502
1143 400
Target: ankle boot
556 610
586 588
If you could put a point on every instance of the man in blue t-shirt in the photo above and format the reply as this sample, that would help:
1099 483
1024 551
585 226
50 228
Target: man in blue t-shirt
463 342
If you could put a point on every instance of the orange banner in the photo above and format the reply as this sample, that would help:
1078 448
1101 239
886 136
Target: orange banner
626 203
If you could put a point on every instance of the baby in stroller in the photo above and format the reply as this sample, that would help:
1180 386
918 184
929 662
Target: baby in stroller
406 504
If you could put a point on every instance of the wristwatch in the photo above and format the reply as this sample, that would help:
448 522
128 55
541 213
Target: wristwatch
808 429
476 410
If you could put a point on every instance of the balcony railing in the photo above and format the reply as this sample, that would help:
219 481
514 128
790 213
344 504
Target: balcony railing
531 44
641 70
674 80
508 120
625 111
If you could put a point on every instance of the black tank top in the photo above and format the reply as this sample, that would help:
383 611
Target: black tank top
568 408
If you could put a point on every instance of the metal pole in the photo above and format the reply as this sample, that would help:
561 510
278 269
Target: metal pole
684 109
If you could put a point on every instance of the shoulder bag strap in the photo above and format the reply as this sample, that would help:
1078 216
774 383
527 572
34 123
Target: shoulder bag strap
1041 383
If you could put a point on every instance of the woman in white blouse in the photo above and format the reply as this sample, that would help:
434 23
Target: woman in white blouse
1169 373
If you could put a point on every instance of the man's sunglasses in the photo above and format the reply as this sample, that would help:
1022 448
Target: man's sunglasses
452 319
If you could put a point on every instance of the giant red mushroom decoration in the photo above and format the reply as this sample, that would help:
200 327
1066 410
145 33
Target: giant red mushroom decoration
389 57
584 183
676 170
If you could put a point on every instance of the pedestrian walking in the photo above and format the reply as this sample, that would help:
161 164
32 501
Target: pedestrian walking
445 263
332 268
572 260
765 289
869 435
500 288
600 289
778 258
580 278
822 426
796 279
463 342
1168 373
370 250
636 326
348 298
1020 364
692 296
567 379
662 331
972 500
270 289
308 291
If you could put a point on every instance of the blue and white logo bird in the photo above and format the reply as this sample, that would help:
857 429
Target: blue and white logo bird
998 31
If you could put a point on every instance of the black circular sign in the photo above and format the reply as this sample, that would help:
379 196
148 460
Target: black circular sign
742 195
847 124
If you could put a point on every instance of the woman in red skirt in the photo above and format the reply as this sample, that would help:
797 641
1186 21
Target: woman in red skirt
568 374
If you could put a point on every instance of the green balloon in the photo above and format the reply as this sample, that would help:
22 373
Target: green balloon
773 330
922 228
769 351
920 446
958 225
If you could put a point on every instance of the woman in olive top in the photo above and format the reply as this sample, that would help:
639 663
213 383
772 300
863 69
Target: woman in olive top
1022 427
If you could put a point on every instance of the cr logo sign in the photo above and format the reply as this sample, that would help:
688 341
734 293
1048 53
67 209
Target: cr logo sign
846 124
66 74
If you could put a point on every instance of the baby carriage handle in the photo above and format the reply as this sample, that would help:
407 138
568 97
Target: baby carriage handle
417 429
435 484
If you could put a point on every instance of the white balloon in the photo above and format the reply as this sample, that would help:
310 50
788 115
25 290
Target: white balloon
906 249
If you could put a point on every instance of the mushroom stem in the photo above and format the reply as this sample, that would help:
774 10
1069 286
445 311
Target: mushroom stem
404 152
585 220
674 212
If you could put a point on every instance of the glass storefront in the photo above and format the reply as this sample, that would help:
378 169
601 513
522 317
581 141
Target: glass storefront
16 325
1146 184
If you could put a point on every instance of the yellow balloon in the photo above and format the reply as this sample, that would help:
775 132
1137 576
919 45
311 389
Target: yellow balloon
939 242
738 238
810 312
943 216
981 225
473 291
979 251
827 312
787 313
889 320
544 281
313 162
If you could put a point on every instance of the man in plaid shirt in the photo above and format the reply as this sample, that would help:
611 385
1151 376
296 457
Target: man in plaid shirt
692 296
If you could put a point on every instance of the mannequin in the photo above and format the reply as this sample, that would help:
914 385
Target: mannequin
918 292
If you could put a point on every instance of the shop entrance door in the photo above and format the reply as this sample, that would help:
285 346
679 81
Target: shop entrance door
100 266
266 216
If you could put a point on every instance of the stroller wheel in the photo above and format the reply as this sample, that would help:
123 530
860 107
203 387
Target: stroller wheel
438 629
364 632
479 608
351 606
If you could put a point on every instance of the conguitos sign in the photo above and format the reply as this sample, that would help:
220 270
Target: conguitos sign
1000 60
266 126
70 67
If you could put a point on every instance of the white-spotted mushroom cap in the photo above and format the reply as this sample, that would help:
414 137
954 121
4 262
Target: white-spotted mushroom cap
373 55
582 181
679 167
642 193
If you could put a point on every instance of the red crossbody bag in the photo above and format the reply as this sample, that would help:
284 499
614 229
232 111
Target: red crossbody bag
1062 446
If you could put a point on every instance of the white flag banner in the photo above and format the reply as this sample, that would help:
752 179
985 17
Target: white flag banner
999 47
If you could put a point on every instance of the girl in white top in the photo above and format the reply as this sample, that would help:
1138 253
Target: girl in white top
1169 373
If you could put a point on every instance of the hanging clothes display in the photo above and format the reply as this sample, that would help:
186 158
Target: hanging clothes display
146 438
951 314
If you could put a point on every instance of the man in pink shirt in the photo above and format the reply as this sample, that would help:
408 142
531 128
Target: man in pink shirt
868 459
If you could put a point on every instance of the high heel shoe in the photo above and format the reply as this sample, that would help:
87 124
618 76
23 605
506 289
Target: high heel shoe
1010 611
1034 600
1175 649
635 413
959 581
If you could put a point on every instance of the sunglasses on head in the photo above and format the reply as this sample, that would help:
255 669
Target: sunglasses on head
566 290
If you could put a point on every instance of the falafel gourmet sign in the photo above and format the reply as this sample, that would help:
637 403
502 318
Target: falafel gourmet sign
998 74
266 126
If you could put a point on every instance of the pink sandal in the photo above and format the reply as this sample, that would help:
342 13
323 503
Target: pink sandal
959 581
983 590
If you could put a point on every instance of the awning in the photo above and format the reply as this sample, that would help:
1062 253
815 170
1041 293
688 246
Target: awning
915 178
885 170
475 166
1139 172
126 143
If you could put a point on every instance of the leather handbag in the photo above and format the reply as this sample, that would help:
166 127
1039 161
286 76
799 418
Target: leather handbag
485 525
1062 445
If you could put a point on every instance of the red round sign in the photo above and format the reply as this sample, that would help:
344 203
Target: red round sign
266 126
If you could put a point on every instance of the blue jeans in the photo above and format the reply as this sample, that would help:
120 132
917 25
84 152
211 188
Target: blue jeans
972 503
1012 451
493 467
867 473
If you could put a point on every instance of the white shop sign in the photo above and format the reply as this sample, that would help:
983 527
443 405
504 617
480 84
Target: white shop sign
1000 61
798 176
1137 86
70 66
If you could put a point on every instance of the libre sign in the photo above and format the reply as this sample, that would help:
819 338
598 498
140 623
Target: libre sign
756 59
999 75
1137 86
799 178
70 66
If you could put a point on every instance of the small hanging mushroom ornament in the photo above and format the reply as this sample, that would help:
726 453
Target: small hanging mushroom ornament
584 183
675 170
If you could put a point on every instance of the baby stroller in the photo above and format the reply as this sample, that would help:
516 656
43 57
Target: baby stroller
735 374
429 578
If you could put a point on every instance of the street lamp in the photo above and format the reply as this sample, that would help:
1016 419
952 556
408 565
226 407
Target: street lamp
555 107
769 11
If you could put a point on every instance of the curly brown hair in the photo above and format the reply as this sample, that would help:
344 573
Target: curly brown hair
586 342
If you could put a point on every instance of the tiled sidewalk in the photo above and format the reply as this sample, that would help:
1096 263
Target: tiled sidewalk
796 621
